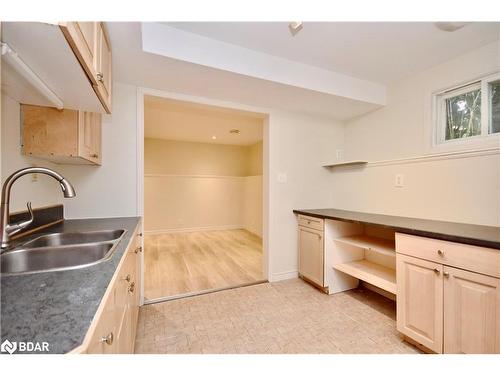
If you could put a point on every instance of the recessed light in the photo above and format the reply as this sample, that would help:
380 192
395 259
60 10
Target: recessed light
295 27
234 131
450 26
214 137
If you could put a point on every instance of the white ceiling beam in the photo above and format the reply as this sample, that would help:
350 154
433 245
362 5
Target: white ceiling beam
181 45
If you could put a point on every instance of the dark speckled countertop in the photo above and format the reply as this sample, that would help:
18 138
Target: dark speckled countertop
58 307
479 235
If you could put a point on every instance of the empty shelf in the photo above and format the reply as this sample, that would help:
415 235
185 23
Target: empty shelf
375 274
345 164
379 245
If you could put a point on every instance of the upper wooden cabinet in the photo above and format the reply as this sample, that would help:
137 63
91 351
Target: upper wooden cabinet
90 44
61 136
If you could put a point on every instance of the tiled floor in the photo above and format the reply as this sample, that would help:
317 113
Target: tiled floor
283 317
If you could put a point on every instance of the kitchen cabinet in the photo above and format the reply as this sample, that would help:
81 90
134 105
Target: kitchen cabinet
61 136
114 326
448 295
471 312
91 46
311 254
420 301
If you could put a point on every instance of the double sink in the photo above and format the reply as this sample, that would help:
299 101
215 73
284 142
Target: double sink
61 251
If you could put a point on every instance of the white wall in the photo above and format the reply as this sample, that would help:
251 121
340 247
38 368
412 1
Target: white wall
462 189
106 191
298 145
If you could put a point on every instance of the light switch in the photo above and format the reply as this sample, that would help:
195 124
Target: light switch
340 154
282 178
399 180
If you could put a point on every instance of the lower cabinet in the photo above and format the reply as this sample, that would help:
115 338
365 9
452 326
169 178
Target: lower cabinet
420 301
114 326
471 312
448 309
311 254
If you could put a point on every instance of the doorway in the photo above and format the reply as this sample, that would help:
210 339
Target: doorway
203 198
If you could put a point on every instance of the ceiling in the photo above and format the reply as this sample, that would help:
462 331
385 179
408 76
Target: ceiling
373 52
377 51
192 122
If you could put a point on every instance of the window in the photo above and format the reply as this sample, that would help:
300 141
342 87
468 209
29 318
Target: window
469 112
494 103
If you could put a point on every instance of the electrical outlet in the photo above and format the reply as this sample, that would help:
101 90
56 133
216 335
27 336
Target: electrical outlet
34 177
282 178
399 180
340 155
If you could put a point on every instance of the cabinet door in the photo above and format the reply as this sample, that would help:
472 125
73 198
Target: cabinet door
471 312
311 254
89 136
104 68
82 37
420 301
104 338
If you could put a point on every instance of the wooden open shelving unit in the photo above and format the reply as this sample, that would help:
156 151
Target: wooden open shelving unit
379 245
373 273
375 266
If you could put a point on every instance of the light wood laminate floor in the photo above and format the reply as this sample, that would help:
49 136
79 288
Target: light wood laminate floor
283 317
181 263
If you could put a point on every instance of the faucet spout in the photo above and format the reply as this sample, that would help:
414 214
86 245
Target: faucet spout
7 229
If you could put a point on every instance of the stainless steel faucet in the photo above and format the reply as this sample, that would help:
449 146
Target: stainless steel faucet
7 229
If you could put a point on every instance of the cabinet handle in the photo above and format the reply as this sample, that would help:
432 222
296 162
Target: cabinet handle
446 274
436 271
139 234
131 287
108 339
138 249
308 222
100 77
440 252
95 156
127 278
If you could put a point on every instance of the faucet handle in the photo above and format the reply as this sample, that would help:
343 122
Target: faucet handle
14 228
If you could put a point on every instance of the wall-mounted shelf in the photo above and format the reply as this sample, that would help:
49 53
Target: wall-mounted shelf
375 274
379 245
346 164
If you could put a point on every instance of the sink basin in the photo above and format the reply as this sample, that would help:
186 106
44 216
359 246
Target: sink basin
54 258
62 239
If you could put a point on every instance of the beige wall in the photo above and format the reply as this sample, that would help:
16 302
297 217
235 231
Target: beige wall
464 189
190 158
255 162
196 186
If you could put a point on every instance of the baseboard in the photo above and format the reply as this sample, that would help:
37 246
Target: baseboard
195 229
278 276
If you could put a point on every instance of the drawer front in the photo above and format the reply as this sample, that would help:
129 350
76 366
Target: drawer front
311 222
103 340
474 258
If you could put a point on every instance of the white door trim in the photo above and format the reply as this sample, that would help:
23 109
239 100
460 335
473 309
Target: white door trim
141 92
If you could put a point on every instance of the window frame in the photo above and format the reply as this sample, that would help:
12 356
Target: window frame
485 139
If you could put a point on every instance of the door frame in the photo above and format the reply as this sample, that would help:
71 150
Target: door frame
141 92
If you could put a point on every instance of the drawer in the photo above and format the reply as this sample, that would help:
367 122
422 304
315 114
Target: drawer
106 328
311 222
474 258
